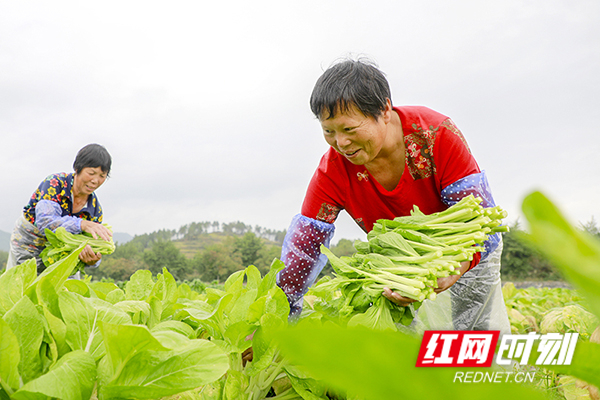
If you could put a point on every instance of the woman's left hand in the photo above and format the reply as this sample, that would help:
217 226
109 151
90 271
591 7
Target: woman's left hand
445 283
95 229
88 256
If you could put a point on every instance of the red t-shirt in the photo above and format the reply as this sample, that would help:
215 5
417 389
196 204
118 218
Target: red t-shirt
437 155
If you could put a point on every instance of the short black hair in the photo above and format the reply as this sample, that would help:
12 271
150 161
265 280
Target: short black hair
92 156
350 83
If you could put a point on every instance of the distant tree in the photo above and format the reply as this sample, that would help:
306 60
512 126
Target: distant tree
265 258
521 261
344 247
182 231
3 259
591 227
117 269
248 247
164 254
279 236
129 250
216 262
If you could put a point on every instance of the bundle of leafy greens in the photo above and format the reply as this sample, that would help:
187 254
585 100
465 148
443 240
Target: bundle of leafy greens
408 255
61 244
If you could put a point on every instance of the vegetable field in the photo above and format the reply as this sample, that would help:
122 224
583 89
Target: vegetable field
157 339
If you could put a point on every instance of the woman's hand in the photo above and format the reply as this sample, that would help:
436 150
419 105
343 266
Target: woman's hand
248 354
396 298
96 230
88 256
443 284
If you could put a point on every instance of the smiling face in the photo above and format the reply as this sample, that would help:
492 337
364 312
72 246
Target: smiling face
88 180
360 139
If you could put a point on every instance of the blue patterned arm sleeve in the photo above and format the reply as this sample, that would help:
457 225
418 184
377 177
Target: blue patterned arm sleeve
478 186
301 253
48 215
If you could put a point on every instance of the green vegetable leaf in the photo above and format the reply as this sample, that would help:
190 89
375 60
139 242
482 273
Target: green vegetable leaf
28 327
175 326
80 287
139 286
307 388
234 283
270 279
73 377
165 289
82 317
138 310
58 273
377 317
171 339
236 334
152 373
381 365
210 317
115 296
273 302
14 282
584 365
252 277
101 289
9 357
58 330
234 385
239 310
125 341
212 391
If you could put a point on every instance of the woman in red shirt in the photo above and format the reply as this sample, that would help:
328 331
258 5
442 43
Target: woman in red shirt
383 161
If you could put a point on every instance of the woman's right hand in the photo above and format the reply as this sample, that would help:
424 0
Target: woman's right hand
88 256
397 298
96 230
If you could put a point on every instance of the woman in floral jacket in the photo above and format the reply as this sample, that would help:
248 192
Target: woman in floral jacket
64 200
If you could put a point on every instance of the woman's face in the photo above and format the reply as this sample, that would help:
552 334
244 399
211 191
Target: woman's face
355 136
88 180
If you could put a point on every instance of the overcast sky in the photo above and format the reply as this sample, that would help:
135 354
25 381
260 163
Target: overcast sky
204 105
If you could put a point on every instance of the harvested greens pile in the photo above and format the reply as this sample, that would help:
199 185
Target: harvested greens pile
408 255
62 243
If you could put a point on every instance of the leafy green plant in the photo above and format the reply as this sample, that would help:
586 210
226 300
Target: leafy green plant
61 338
528 307
239 317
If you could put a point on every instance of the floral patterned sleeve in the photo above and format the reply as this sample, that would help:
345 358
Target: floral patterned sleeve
49 205
48 215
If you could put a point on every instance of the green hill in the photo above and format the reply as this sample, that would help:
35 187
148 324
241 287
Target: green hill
189 247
